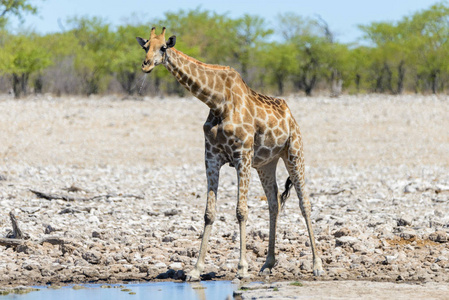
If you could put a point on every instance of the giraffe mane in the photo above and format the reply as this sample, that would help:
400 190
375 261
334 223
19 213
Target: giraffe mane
196 61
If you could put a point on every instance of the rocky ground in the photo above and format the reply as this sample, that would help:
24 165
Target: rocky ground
347 289
127 186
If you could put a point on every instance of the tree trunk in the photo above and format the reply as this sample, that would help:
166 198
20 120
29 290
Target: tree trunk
38 84
308 83
384 80
336 84
280 83
401 76
297 82
379 85
308 91
309 68
434 80
130 79
92 82
157 86
16 85
19 84
92 87
126 80
416 88
244 66
389 78
358 77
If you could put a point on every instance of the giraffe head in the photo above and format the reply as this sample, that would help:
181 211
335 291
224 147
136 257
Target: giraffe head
155 49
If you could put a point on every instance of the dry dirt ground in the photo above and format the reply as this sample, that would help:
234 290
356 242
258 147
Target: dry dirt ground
130 175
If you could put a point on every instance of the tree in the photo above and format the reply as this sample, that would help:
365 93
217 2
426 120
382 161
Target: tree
279 63
390 55
358 63
127 57
206 35
250 32
15 8
417 44
337 66
202 34
429 35
21 56
336 58
313 45
94 46
92 56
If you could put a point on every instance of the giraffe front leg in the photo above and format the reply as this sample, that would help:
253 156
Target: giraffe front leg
209 218
212 171
243 174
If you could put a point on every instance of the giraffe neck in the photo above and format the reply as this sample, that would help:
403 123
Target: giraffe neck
204 81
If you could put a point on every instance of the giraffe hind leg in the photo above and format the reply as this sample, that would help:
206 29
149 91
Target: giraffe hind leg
295 167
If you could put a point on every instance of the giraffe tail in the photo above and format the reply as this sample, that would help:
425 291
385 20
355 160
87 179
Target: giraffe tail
286 193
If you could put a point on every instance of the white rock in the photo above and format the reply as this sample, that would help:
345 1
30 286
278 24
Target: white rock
389 259
93 219
160 265
175 266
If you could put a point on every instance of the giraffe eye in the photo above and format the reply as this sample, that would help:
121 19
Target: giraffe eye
164 48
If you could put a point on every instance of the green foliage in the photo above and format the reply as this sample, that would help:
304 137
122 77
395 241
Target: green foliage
278 62
16 8
296 283
416 46
205 35
317 56
299 54
357 65
248 36
429 34
127 57
24 54
94 47
389 57
21 56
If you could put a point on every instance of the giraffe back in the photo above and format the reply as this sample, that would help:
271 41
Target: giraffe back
248 121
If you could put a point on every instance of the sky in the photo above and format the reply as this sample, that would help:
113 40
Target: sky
343 16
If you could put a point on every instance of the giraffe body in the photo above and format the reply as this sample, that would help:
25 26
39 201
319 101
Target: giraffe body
245 129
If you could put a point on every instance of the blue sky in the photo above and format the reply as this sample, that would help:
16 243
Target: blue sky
343 16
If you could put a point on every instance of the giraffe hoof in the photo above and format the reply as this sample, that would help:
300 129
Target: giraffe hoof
317 267
243 275
265 272
193 275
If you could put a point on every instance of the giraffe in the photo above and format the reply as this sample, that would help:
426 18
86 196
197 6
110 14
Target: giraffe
244 129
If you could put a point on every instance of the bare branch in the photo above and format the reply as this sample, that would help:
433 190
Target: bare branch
49 196
16 232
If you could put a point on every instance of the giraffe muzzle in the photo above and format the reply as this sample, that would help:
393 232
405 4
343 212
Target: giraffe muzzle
147 67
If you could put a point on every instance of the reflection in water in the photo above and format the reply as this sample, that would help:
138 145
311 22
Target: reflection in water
205 290
199 288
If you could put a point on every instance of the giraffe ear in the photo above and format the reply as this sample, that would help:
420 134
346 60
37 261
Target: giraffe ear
142 42
171 41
